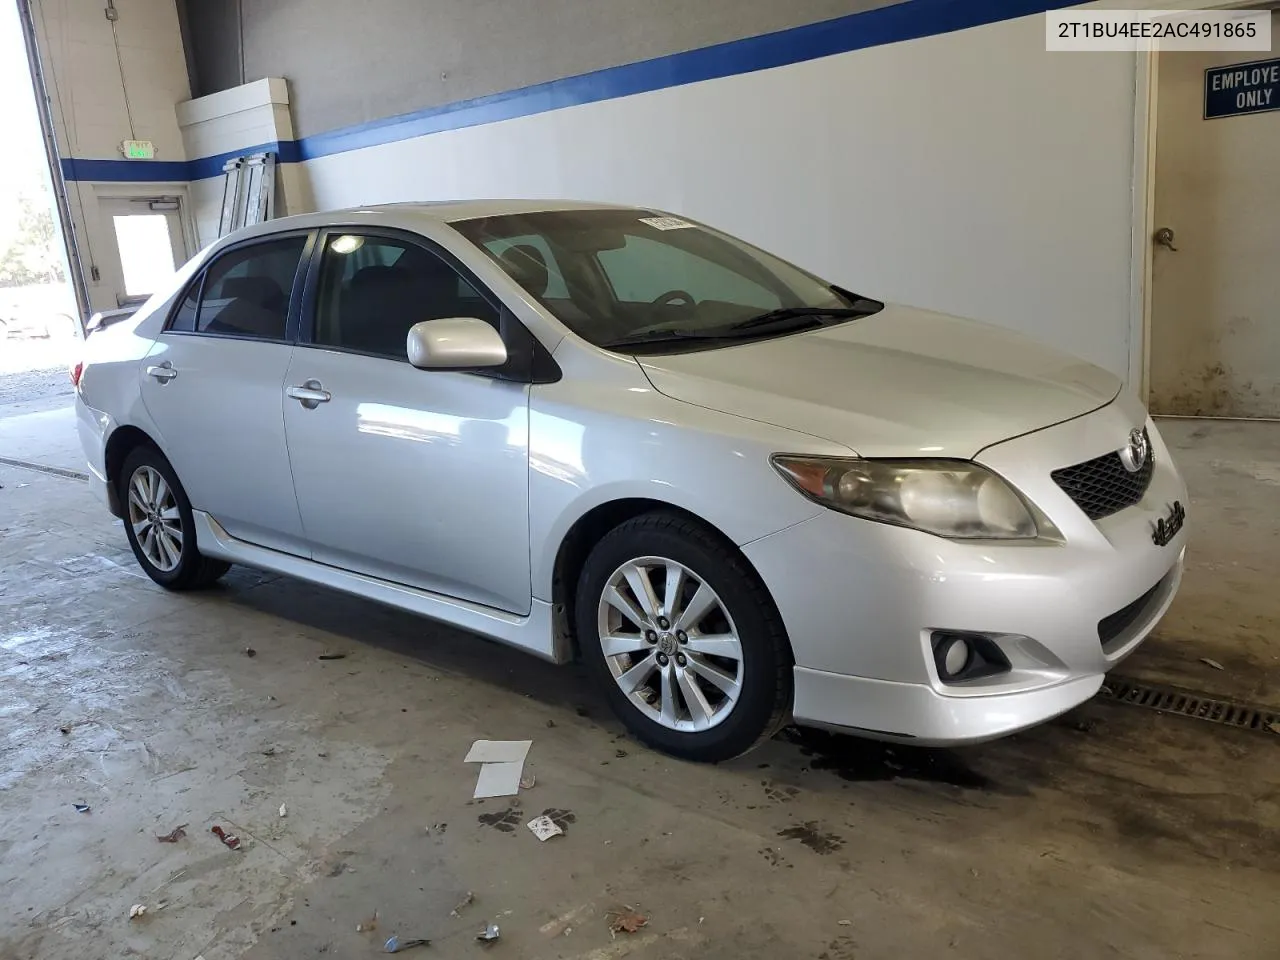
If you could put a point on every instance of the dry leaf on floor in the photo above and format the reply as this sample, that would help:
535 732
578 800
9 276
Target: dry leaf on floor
626 921
174 835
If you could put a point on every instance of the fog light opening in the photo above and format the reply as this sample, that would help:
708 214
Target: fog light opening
966 656
953 656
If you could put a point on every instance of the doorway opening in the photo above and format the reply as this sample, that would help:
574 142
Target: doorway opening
149 244
39 313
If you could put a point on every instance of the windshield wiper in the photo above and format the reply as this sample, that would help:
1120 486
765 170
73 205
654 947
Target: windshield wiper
666 336
795 313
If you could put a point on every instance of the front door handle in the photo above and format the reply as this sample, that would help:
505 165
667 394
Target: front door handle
164 372
311 394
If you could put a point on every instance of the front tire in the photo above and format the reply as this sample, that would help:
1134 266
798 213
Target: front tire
684 639
159 524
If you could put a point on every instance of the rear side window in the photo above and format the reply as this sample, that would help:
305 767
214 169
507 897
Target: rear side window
244 293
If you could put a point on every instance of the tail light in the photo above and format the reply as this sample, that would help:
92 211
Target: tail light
77 371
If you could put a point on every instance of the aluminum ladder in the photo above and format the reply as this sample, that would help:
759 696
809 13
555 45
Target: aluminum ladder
248 191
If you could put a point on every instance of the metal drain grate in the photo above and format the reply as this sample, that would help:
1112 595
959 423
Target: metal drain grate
1188 704
54 471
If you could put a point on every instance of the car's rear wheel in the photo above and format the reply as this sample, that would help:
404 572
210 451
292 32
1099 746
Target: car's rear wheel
158 521
684 638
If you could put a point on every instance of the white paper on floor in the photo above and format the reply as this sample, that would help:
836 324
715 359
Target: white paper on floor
499 751
498 780
501 765
544 828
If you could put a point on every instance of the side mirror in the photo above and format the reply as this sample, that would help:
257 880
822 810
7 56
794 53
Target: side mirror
455 343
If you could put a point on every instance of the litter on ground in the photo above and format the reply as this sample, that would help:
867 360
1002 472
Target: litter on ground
502 764
395 945
463 904
369 924
81 807
498 780
137 910
284 810
626 920
174 835
229 840
498 751
544 828
489 933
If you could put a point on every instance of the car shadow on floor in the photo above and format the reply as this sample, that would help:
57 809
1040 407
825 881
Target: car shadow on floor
847 758
1112 773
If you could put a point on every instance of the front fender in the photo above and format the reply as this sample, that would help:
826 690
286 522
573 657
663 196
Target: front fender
600 442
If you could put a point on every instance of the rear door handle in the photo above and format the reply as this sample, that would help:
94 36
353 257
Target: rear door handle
164 372
311 394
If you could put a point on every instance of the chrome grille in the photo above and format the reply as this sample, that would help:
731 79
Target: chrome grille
1102 486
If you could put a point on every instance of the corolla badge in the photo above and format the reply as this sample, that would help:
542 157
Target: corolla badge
1138 452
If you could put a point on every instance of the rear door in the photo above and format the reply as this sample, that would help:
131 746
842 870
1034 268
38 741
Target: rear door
414 476
214 383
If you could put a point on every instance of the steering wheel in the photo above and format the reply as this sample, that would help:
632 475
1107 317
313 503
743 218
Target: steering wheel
672 295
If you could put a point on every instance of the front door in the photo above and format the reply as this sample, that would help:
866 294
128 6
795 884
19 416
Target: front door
413 476
1215 309
149 245
214 383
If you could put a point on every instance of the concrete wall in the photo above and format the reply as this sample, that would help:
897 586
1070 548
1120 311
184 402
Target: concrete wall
969 172
441 51
966 170
100 98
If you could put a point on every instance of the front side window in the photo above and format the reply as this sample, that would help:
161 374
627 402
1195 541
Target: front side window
373 289
638 280
244 293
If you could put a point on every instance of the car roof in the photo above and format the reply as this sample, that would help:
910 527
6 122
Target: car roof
404 214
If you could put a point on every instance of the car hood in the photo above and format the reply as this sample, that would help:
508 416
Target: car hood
902 382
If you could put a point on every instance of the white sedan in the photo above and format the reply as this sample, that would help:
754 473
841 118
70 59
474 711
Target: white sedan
742 494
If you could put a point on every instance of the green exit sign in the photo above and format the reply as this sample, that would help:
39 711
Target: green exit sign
139 149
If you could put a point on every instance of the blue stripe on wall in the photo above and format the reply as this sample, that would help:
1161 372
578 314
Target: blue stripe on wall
170 171
908 20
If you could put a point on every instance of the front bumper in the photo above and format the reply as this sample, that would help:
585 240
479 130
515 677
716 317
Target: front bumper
861 600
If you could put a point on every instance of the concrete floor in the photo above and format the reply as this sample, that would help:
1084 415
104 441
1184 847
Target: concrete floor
1113 832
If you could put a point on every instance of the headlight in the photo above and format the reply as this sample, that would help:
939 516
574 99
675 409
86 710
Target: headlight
950 498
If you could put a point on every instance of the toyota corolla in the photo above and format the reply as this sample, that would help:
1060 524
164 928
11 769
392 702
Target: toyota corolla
742 494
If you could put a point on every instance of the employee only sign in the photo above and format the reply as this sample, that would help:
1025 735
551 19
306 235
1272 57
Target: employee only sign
1242 88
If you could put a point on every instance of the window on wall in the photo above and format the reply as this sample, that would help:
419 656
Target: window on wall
245 292
373 289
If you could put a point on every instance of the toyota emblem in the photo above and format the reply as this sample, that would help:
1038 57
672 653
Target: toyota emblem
1135 456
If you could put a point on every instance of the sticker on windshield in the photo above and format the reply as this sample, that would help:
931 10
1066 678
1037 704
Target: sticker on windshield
666 223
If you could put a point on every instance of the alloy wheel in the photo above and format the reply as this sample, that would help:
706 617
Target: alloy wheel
670 644
155 518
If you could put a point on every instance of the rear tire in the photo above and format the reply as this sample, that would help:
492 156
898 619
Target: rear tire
159 524
683 638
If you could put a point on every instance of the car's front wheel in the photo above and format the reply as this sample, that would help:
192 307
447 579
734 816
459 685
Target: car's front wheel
158 521
684 638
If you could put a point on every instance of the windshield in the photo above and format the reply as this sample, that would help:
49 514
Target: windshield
640 281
